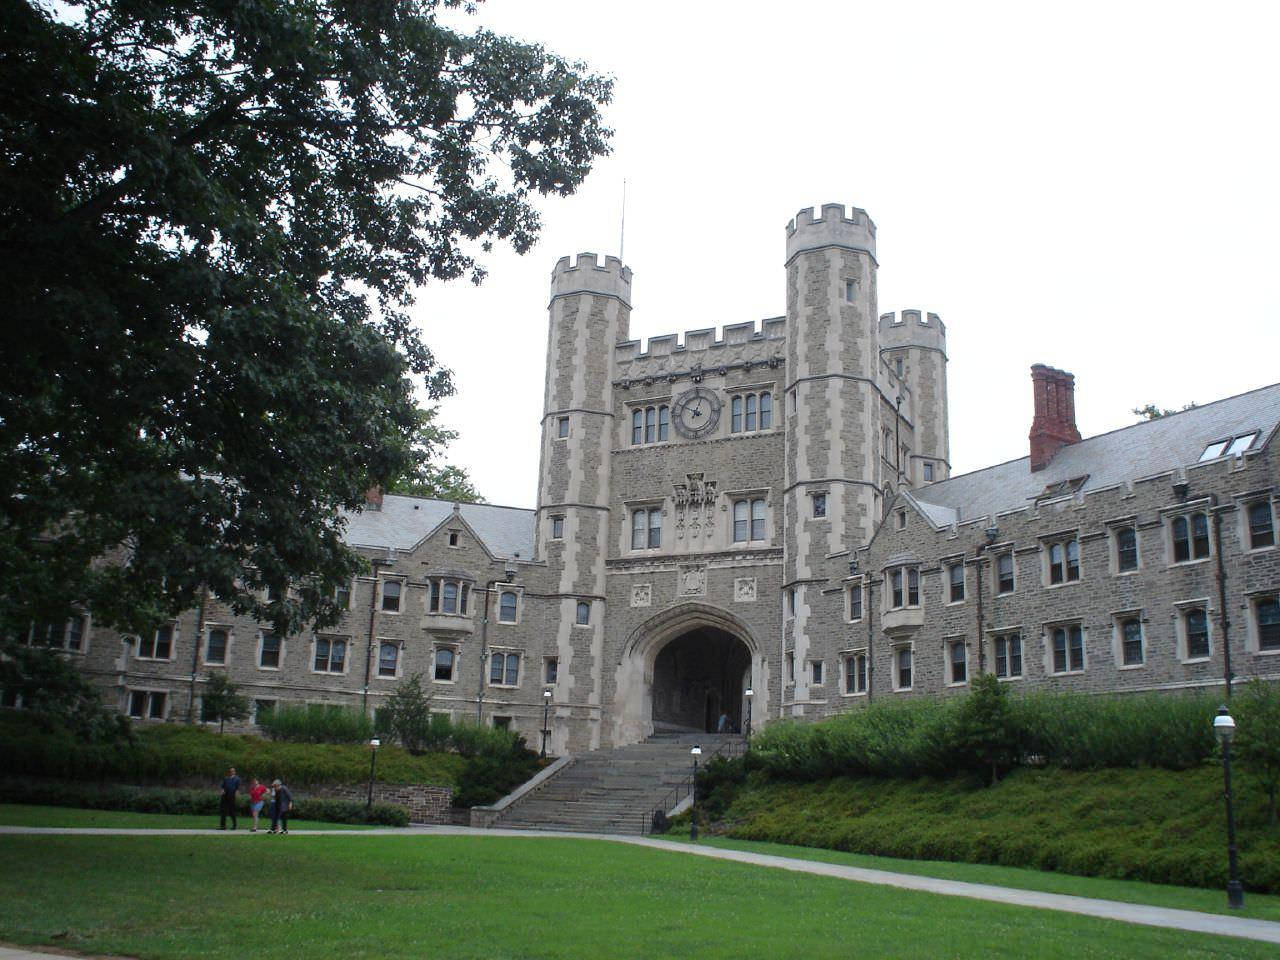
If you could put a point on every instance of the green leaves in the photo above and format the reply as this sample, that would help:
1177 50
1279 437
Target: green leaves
213 219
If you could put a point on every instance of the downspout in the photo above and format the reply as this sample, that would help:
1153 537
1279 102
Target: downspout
195 654
978 564
368 650
1227 676
871 633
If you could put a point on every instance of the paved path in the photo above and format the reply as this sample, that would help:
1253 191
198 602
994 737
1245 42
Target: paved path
1190 920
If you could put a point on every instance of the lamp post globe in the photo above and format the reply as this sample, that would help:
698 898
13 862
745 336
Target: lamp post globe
1224 728
695 752
546 706
746 727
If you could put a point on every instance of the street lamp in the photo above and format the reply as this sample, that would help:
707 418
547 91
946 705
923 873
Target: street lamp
1224 728
374 744
508 576
696 752
546 705
746 730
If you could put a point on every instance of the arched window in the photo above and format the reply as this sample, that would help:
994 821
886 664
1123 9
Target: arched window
766 410
504 669
757 519
584 613
388 658
637 426
639 523
749 421
450 597
650 424
740 528
391 596
507 607
735 415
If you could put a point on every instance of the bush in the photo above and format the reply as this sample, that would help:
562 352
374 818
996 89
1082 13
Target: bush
194 802
317 723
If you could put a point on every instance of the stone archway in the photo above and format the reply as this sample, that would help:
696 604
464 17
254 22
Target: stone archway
682 668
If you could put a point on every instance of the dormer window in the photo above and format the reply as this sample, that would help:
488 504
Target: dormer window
1231 446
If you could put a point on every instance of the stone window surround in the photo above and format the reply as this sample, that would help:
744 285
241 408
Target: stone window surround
747 495
461 599
997 551
1244 502
174 634
864 674
1182 608
1061 539
1118 618
948 564
209 627
65 635
896 675
401 600
346 656
1253 638
519 595
257 658
818 502
546 679
853 584
1113 528
1186 510
436 647
562 427
947 643
557 527
740 392
628 520
504 652
817 672
1006 633
661 408
1066 625
905 570
377 659
149 693
631 405
578 612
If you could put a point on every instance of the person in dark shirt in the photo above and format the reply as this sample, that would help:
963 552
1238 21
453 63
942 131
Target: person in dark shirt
227 803
280 808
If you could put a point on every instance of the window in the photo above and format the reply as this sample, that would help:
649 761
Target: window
63 636
650 424
562 427
815 672
447 596
501 723
1129 629
749 412
1190 535
959 661
274 594
902 516
646 528
902 662
1126 539
791 601
1195 633
904 587
955 583
159 646
504 670
215 650
1266 621
1232 446
507 606
853 602
331 655
388 658
1004 573
897 366
1262 532
342 596
453 538
1068 649
557 528
748 520
583 616
1064 561
269 654
928 473
550 670
855 673
850 290
391 596
444 662
791 667
819 504
146 704
1009 655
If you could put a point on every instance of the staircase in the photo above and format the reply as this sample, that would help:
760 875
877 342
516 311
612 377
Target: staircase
616 791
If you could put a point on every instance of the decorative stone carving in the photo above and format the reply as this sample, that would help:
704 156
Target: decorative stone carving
744 590
641 594
694 502
692 580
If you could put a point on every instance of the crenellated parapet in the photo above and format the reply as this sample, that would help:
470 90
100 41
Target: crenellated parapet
737 346
587 275
831 228
912 328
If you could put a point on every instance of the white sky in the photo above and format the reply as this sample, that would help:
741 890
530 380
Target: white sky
1094 186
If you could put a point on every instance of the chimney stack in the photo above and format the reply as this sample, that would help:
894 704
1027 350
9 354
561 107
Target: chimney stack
1054 425
373 498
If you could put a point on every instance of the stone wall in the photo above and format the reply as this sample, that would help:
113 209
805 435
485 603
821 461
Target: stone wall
425 803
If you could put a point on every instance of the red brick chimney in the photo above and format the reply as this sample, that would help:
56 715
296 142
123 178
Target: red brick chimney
373 497
1054 426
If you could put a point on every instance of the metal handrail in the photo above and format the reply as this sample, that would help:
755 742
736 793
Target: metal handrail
728 749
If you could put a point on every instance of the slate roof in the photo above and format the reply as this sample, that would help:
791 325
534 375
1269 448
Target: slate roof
1142 450
404 521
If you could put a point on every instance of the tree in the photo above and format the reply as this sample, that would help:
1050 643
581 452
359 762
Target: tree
213 219
1151 412
984 734
1258 739
408 714
48 684
430 479
221 701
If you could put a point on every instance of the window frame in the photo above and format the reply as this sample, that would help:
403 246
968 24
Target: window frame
398 647
751 410
582 613
1120 621
817 672
227 634
950 584
1255 638
1013 573
1182 626
507 654
818 505
1118 550
854 611
515 607
329 640
400 598
903 592
898 650
950 646
1008 637
1191 540
650 422
557 527
550 671
562 427
856 669
153 644
1247 538
644 531
148 711
1069 546
436 651
1070 629
262 650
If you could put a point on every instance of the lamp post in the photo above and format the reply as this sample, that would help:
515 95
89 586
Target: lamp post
746 729
546 705
374 744
508 575
696 752
1224 728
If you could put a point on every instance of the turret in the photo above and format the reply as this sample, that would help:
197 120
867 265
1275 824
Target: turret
913 346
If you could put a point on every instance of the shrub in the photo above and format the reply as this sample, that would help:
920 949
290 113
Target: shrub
317 723
1258 737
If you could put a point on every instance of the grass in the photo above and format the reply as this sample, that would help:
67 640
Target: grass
25 815
458 898
1259 906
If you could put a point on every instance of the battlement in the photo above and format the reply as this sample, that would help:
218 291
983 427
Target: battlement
772 330
912 328
586 275
831 228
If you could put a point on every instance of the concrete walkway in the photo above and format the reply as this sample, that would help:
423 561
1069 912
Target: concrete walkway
1190 920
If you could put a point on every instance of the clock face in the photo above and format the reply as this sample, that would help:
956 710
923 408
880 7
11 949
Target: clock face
696 413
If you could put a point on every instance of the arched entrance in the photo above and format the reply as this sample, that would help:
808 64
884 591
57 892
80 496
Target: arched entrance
684 667
697 677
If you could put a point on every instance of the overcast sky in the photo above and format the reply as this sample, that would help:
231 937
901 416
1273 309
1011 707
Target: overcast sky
1095 187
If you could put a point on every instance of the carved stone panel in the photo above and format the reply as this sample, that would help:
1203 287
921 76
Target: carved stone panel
692 580
744 590
641 594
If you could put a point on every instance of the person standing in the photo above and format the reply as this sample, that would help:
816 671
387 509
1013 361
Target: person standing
257 791
280 807
227 803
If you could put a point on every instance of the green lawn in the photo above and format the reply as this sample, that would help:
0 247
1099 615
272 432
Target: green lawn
1257 905
495 897
24 815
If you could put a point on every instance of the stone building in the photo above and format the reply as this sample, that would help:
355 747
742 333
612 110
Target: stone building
770 507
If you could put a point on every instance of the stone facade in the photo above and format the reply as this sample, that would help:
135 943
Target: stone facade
728 511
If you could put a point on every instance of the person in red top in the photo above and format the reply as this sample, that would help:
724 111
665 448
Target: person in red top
257 796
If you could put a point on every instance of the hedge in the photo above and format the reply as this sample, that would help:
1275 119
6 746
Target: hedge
197 802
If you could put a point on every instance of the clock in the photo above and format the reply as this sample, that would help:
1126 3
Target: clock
696 413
